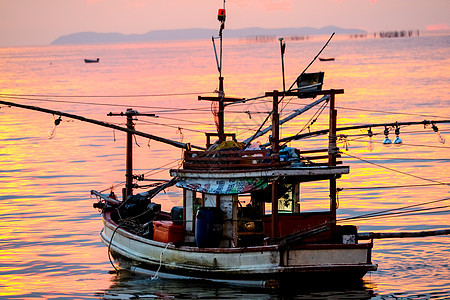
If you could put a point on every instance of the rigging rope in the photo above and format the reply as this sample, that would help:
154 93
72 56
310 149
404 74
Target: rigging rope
290 88
168 109
313 119
106 96
394 170
171 126
390 112
390 186
412 212
148 173
391 211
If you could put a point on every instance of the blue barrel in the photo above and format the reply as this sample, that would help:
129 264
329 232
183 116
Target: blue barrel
208 227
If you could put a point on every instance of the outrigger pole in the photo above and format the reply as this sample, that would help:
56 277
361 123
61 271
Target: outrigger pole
186 146
325 131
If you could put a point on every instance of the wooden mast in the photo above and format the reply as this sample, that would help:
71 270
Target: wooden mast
275 149
129 160
130 114
332 152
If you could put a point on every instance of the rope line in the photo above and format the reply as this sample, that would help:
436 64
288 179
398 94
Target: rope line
148 173
160 262
391 186
394 170
314 118
171 126
407 213
390 112
105 96
166 109
391 211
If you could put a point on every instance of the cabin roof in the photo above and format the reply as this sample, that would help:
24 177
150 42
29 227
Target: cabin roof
312 171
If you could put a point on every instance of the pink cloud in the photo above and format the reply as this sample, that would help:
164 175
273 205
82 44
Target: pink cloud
443 26
267 5
274 5
373 1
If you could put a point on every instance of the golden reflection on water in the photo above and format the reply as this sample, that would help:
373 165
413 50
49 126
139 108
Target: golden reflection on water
49 230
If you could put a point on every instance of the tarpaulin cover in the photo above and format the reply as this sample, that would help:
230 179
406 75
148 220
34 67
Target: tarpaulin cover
223 186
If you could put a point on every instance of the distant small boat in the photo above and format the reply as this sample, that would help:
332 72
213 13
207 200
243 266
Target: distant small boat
91 60
326 59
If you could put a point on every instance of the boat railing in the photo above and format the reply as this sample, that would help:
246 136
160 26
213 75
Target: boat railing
316 157
253 159
232 159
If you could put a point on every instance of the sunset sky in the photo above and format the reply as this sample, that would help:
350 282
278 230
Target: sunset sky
39 22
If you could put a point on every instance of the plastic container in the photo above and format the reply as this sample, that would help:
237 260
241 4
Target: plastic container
167 232
208 227
177 215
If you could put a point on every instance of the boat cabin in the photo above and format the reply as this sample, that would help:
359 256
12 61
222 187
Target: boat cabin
237 197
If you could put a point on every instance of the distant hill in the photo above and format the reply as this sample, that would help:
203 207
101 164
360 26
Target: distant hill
195 33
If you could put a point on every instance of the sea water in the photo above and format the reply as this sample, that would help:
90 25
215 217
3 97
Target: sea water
49 231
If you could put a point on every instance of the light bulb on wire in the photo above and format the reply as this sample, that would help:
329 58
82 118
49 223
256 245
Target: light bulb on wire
370 144
52 131
441 138
398 141
387 141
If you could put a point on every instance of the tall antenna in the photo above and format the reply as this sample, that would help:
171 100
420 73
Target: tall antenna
221 16
283 48
221 99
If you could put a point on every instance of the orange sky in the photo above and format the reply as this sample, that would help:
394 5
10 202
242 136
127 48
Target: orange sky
39 22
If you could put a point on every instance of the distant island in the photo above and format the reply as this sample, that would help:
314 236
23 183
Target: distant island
196 33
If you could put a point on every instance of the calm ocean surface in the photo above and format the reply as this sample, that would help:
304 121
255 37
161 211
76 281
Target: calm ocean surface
49 232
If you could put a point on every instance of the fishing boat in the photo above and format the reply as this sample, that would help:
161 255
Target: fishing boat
326 58
90 61
241 220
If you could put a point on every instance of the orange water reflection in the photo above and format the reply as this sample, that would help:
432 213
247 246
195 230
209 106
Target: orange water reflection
49 231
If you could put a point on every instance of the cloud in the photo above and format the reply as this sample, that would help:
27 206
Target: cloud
373 1
442 26
274 5
267 5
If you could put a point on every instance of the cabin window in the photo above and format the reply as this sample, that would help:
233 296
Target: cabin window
287 199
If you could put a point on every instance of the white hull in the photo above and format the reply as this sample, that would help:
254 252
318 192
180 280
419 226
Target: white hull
259 265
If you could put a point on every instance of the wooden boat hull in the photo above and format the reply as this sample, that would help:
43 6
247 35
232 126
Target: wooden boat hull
256 266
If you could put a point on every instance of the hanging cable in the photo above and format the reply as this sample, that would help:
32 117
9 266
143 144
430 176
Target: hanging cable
390 186
290 88
391 211
314 118
393 170
390 112
148 173
105 96
167 109
171 126
420 211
